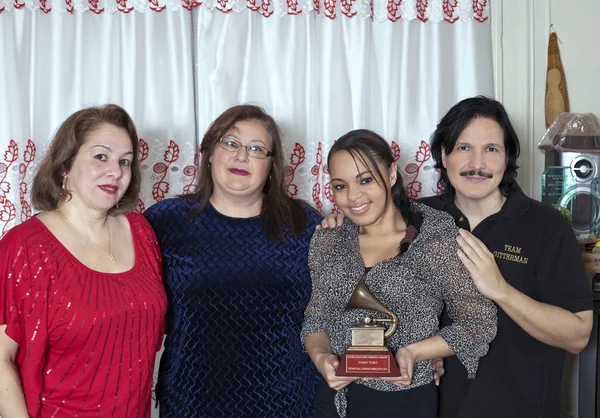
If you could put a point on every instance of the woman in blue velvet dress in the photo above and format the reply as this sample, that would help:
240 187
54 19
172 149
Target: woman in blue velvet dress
235 259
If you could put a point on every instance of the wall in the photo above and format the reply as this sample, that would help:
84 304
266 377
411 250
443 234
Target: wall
520 31
520 44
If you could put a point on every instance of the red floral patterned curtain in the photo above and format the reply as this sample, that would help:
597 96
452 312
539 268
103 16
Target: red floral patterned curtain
393 10
319 73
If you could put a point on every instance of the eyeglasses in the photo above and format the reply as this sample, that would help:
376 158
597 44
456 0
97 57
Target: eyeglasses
233 145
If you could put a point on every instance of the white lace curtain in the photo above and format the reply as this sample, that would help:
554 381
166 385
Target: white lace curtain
175 71
379 10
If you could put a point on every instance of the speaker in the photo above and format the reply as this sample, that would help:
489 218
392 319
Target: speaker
582 198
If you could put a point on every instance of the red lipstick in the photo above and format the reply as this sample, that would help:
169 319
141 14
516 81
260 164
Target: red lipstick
108 188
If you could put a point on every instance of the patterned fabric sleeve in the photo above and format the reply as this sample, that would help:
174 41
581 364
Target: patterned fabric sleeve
156 215
475 319
23 303
9 249
315 314
146 233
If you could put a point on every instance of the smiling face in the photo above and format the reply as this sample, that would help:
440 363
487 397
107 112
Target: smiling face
235 173
357 191
101 170
477 163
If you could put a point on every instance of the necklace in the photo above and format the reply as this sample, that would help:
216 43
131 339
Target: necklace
111 256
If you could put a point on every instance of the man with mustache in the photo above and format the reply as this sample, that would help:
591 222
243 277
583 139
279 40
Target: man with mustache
522 255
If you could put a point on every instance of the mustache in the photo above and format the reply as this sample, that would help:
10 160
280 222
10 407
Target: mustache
476 173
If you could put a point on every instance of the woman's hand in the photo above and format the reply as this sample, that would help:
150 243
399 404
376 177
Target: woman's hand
327 365
406 359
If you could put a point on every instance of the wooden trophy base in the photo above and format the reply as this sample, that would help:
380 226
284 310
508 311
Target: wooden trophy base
368 363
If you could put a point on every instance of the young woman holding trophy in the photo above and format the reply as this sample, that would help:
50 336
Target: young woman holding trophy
391 261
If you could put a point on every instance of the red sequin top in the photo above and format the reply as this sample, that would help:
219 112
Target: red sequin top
87 340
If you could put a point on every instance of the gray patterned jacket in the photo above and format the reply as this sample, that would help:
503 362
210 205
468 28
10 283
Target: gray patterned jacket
415 285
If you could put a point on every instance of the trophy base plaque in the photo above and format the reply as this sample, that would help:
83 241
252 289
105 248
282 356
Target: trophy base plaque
368 363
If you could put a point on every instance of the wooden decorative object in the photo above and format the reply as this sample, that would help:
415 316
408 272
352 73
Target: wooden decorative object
557 99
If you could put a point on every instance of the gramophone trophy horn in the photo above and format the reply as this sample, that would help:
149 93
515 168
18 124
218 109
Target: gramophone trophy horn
362 298
368 355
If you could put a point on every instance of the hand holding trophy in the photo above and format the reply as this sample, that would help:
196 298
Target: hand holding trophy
368 356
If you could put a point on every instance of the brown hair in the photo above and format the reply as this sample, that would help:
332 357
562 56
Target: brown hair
279 211
46 190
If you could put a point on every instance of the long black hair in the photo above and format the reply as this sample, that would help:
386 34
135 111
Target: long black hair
454 123
371 149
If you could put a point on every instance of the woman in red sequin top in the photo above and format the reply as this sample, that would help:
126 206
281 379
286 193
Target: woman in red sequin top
81 295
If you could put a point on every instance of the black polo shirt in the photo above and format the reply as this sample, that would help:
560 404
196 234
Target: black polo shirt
536 252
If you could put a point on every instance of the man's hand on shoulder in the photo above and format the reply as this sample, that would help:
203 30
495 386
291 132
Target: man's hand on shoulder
332 221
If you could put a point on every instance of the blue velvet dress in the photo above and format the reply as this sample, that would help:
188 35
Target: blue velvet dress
236 305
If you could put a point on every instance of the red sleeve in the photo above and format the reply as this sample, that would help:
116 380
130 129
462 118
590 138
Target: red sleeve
23 305
8 249
148 239
14 276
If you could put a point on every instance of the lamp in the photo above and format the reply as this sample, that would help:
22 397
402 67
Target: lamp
572 132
